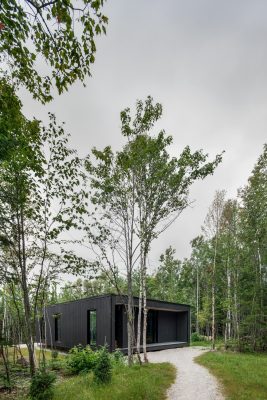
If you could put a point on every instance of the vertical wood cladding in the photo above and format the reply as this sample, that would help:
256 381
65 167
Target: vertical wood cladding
73 318
167 326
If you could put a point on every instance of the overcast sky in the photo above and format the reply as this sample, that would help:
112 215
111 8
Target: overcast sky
206 62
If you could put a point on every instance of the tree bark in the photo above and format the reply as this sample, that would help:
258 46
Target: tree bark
130 320
26 298
197 305
145 311
6 366
213 296
139 321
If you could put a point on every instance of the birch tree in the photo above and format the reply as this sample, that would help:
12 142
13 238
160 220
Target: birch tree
41 197
162 181
142 190
253 223
212 228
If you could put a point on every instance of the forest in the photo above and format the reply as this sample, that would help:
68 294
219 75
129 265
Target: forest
224 279
47 191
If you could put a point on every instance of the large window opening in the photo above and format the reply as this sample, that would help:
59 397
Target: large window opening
91 327
57 319
119 326
152 327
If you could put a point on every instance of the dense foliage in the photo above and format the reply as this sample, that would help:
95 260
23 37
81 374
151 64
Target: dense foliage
103 367
40 199
81 359
42 385
45 44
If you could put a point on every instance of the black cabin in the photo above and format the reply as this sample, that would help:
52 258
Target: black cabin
102 320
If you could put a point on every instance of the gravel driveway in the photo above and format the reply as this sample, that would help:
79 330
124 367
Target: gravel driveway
193 382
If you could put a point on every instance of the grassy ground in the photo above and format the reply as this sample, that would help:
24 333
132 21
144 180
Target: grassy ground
202 343
24 352
206 343
20 376
146 382
243 376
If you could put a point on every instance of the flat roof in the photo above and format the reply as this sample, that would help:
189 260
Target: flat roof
115 295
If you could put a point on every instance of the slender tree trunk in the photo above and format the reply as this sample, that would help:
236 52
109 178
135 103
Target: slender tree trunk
197 305
236 310
4 354
145 311
130 320
213 297
28 323
26 298
261 300
228 316
139 321
213 317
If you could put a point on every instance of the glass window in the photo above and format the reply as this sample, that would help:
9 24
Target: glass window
57 327
92 327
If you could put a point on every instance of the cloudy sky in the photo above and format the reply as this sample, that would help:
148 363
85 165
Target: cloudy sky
206 62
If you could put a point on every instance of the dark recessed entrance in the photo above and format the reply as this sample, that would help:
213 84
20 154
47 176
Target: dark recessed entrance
152 327
119 326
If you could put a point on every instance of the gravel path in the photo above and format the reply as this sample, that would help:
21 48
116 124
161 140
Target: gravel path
193 382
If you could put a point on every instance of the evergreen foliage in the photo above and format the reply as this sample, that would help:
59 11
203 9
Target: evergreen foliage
81 359
103 367
42 385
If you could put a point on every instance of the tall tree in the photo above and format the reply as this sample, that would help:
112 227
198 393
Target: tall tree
41 197
140 191
212 228
254 238
58 32
162 182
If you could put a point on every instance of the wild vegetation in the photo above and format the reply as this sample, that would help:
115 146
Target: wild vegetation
149 381
84 373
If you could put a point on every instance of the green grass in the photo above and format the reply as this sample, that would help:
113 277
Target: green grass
20 376
202 343
38 355
146 382
243 376
207 343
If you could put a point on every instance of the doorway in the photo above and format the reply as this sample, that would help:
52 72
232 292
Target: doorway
152 327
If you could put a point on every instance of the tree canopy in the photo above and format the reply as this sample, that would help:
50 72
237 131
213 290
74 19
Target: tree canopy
61 33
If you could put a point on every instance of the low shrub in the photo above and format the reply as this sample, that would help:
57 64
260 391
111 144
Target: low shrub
57 365
117 357
81 359
42 385
54 354
103 367
196 337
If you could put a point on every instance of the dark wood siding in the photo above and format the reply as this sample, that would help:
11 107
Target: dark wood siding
167 326
73 319
173 321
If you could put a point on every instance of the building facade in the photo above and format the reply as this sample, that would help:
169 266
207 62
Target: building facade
102 320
